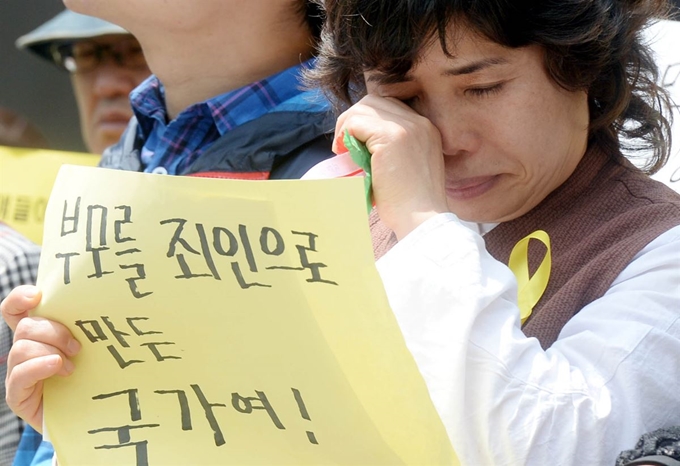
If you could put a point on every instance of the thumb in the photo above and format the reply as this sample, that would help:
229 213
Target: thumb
18 303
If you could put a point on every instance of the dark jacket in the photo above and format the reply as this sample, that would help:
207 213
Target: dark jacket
277 145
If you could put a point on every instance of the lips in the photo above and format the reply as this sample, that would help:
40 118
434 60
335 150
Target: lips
113 120
468 188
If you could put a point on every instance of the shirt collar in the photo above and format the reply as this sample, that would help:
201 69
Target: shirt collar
227 110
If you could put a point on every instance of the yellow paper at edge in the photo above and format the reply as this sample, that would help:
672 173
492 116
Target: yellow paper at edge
279 349
26 179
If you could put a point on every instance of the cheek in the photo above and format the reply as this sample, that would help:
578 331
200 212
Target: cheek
514 126
561 112
551 122
139 77
535 137
560 135
567 127
83 90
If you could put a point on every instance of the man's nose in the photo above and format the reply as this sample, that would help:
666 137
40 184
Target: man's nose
112 80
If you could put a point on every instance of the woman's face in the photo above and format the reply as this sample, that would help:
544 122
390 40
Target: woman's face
510 135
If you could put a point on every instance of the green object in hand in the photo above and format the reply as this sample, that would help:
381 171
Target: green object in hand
362 157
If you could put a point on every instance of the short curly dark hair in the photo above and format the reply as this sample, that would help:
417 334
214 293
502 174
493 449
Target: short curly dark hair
313 14
590 45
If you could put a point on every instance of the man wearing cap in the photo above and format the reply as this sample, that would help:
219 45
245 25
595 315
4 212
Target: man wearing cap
105 61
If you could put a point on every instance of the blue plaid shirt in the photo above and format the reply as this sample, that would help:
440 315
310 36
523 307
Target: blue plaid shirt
173 146
32 450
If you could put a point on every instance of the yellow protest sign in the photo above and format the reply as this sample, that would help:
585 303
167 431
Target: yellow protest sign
26 179
226 322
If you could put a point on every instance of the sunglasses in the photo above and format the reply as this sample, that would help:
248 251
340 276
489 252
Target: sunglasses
84 56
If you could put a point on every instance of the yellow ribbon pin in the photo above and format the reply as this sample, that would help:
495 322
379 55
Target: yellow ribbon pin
530 289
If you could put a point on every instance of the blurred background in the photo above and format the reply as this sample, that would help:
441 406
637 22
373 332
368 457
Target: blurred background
32 87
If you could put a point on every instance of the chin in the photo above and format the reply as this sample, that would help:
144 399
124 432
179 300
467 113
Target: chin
471 214
98 146
495 213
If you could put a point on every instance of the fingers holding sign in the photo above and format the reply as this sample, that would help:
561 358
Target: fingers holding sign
407 160
41 350
19 303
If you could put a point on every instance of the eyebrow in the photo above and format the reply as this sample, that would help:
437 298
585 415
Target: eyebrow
385 78
475 66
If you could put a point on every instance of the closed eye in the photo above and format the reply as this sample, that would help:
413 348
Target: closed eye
485 91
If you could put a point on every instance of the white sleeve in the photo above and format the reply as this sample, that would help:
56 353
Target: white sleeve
611 376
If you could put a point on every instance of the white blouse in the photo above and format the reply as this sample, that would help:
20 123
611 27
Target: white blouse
612 375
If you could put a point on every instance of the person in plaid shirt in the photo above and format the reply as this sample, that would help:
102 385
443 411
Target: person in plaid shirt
226 100
18 266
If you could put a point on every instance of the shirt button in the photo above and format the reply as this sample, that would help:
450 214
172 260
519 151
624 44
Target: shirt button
160 170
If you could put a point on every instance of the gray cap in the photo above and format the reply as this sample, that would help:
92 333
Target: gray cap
67 26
